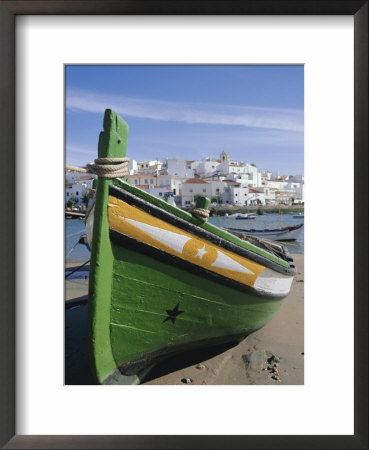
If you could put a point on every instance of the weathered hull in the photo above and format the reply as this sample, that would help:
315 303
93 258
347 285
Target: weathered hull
283 234
161 282
157 308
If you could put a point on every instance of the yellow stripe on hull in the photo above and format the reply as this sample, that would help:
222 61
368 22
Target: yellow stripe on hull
141 226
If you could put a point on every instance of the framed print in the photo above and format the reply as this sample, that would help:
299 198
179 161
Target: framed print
38 40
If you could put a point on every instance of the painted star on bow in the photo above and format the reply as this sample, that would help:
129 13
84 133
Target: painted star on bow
201 252
173 313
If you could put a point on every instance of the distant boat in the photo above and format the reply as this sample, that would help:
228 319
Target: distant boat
244 216
298 216
288 233
162 281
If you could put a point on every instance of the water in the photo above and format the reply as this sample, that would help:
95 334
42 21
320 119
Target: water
269 221
74 228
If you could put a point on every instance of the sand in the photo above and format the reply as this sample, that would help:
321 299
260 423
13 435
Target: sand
271 355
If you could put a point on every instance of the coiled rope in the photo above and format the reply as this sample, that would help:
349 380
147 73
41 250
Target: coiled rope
200 213
105 167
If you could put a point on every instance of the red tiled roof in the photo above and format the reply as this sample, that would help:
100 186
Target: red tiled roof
195 181
230 182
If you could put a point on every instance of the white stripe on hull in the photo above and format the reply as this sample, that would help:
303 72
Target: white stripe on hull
173 240
225 262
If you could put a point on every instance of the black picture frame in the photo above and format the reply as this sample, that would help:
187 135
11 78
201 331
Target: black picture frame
8 12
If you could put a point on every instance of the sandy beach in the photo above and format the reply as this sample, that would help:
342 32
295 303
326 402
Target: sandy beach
271 355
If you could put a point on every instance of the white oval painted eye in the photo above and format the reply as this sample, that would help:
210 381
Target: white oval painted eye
273 283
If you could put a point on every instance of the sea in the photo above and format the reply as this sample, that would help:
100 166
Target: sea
75 228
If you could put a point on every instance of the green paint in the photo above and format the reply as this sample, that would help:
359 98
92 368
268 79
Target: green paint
130 293
202 202
112 143
144 289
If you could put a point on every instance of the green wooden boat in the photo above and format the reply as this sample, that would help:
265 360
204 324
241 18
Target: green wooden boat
162 281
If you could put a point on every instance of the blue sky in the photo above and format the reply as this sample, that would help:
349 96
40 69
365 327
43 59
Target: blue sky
256 113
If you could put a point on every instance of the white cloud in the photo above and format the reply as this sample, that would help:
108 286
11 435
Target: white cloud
192 113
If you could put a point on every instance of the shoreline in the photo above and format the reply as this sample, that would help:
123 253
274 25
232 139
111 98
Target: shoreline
272 355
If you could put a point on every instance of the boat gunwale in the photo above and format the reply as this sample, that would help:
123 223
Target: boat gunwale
122 194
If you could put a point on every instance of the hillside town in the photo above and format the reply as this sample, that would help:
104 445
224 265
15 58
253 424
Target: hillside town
224 181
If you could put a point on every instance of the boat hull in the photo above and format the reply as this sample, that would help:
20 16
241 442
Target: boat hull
283 234
167 297
157 309
161 281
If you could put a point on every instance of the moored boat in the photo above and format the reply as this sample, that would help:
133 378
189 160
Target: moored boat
287 233
163 280
246 216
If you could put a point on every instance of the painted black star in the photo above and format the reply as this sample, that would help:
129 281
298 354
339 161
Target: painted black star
173 313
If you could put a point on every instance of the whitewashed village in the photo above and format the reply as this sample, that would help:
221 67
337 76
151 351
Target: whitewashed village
226 182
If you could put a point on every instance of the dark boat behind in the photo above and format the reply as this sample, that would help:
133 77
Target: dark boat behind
287 233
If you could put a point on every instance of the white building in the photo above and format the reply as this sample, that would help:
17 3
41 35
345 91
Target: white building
78 189
286 190
268 194
149 166
255 197
226 196
193 187
172 182
132 166
266 175
297 190
179 167
142 180
250 179
206 166
275 184
71 176
236 170
160 192
238 195
217 187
